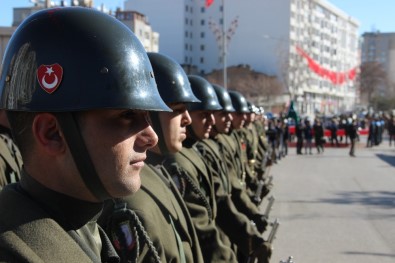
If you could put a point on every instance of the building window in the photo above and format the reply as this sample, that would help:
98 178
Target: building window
190 47
186 21
202 47
186 8
201 60
186 46
202 22
202 10
186 34
186 59
202 35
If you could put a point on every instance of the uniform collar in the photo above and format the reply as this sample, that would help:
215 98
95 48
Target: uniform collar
69 212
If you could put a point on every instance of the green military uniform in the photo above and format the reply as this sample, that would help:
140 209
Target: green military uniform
249 145
163 214
10 159
236 160
263 161
235 225
49 227
256 154
263 151
200 199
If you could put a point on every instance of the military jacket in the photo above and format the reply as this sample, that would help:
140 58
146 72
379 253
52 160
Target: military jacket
30 231
165 218
234 224
200 200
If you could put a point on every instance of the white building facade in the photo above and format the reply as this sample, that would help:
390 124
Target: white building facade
139 24
264 35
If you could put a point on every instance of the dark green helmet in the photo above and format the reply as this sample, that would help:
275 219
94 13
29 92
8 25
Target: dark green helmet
66 60
223 98
73 59
252 108
205 93
173 83
239 102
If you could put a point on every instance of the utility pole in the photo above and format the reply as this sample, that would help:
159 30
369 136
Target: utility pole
223 37
224 49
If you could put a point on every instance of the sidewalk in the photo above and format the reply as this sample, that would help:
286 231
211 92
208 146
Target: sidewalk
334 208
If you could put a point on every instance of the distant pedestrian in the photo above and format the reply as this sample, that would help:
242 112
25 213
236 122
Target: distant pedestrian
333 129
318 136
372 131
353 133
299 137
391 130
284 150
308 136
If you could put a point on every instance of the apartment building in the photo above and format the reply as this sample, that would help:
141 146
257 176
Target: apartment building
139 24
380 47
310 44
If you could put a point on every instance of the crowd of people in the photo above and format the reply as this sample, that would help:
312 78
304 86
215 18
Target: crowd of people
309 135
113 154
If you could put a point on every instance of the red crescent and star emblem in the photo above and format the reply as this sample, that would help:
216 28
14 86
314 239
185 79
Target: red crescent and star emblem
49 77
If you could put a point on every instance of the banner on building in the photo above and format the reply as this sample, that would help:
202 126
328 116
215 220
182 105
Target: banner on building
335 77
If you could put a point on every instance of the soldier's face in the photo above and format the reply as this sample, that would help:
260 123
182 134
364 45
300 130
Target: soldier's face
202 123
174 126
223 121
238 120
117 141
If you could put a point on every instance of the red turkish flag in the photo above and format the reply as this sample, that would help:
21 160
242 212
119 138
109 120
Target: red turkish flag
209 2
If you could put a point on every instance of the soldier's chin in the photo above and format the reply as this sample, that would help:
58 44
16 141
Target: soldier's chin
128 188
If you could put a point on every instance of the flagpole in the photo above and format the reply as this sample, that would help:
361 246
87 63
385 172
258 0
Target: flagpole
224 51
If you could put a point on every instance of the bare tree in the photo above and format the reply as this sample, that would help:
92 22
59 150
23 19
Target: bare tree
372 76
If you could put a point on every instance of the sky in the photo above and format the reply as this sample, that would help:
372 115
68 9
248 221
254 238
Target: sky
373 15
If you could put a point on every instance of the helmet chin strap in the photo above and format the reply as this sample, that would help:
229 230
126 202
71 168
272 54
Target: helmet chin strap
81 156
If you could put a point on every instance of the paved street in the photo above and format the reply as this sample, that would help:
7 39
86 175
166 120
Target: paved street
335 208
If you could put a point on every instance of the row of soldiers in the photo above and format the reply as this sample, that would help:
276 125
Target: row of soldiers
202 190
202 185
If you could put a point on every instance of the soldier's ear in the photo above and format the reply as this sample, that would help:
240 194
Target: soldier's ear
48 134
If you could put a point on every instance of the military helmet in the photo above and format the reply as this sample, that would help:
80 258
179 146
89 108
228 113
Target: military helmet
66 60
239 102
73 59
173 83
205 93
252 108
223 98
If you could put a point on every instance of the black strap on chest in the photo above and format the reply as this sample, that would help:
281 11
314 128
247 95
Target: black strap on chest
174 169
127 233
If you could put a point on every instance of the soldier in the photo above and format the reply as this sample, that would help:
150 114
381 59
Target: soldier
217 152
188 164
257 154
77 85
154 225
10 157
